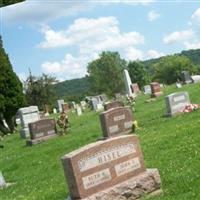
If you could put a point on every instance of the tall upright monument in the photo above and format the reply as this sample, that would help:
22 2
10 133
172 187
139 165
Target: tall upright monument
128 84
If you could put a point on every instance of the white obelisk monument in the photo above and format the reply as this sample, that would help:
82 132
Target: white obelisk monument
128 84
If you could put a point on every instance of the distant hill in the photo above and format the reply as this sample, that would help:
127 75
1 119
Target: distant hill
193 55
74 87
78 87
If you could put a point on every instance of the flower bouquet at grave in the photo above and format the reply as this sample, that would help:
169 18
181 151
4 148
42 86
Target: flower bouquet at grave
191 107
63 123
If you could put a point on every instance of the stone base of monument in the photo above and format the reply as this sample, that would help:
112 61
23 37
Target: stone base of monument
39 140
156 94
145 184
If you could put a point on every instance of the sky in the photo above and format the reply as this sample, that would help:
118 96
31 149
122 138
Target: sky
60 37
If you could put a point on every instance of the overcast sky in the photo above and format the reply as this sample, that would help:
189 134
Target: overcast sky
61 37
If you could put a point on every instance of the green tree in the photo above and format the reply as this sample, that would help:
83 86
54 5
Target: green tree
106 73
169 68
138 73
11 93
9 2
39 90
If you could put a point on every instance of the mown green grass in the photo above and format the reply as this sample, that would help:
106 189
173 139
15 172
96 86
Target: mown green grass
170 144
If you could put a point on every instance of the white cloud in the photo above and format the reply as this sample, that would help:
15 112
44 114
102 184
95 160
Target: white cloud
134 54
178 36
70 67
190 45
91 35
196 17
88 37
40 12
153 15
154 54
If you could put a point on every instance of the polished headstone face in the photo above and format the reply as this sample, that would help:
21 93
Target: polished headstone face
103 164
116 121
176 102
42 128
113 104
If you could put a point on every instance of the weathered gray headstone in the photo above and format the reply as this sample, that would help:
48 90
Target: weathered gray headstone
27 115
147 89
176 102
195 78
186 78
109 169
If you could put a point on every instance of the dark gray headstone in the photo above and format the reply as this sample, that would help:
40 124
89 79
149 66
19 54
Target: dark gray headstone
186 78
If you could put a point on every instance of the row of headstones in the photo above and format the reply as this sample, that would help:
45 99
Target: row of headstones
35 128
104 169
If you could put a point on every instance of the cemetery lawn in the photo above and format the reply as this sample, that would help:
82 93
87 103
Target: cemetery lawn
170 144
